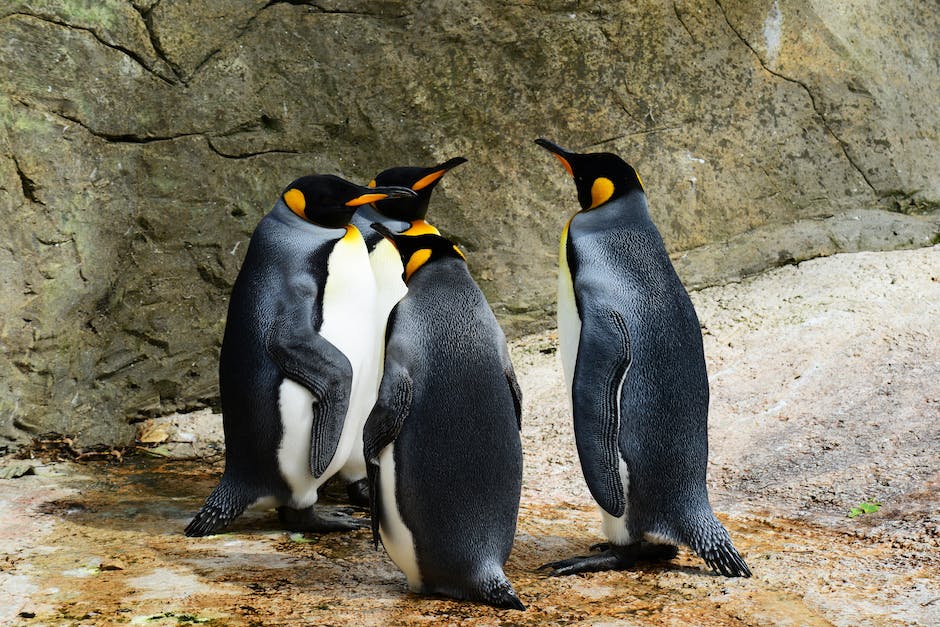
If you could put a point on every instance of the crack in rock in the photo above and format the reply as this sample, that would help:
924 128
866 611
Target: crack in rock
812 98
137 58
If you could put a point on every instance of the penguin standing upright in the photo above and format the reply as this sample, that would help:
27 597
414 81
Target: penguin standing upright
631 350
443 446
292 355
400 214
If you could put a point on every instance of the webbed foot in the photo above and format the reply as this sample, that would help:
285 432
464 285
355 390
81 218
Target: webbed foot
310 519
612 557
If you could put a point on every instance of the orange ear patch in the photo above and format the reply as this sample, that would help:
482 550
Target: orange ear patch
601 191
418 259
295 200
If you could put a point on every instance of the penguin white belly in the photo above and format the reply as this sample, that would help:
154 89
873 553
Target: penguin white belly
396 537
615 528
348 314
569 322
387 269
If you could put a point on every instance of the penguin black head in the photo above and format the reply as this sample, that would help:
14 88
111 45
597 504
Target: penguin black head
599 176
330 201
421 180
417 250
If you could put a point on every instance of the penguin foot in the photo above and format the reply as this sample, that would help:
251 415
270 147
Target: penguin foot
358 492
612 557
309 519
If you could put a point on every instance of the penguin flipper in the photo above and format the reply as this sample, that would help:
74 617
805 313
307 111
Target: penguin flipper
603 359
514 388
382 427
307 357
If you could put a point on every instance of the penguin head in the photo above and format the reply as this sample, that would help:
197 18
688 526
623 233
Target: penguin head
599 176
417 250
421 180
330 201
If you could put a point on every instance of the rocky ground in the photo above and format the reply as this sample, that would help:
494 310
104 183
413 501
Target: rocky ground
824 397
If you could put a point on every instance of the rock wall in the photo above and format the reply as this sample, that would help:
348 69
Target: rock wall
142 140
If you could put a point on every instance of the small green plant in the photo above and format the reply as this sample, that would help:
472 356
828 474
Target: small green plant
868 507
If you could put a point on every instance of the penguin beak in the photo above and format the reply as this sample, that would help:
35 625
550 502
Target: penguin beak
380 193
436 173
560 153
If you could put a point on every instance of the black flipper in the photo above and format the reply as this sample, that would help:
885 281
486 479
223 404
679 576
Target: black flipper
224 504
381 429
603 359
514 388
307 357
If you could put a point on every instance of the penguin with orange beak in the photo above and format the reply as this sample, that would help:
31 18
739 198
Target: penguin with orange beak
399 214
631 350
291 370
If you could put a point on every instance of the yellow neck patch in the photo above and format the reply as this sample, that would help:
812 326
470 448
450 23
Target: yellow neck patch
295 200
352 233
601 191
457 250
642 186
418 259
420 227
427 180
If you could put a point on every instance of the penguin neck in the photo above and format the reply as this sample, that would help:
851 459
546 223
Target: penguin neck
283 214
627 211
366 215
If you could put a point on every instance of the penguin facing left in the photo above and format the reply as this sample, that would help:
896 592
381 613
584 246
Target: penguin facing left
292 355
443 445
632 353
400 214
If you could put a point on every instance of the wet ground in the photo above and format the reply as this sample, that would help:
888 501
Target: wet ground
825 397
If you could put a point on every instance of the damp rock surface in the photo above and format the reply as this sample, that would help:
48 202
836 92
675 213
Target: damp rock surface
824 398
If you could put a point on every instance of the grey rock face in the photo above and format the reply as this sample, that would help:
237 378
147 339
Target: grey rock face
140 142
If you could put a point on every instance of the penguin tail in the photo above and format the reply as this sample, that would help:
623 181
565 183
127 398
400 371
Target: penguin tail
502 595
711 541
224 504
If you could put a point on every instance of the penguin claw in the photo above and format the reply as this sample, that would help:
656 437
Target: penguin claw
309 519
584 564
600 546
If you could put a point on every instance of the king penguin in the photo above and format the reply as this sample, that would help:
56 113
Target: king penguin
400 214
632 354
292 355
442 442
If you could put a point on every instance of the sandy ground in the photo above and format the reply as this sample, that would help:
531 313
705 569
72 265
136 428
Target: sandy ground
825 395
